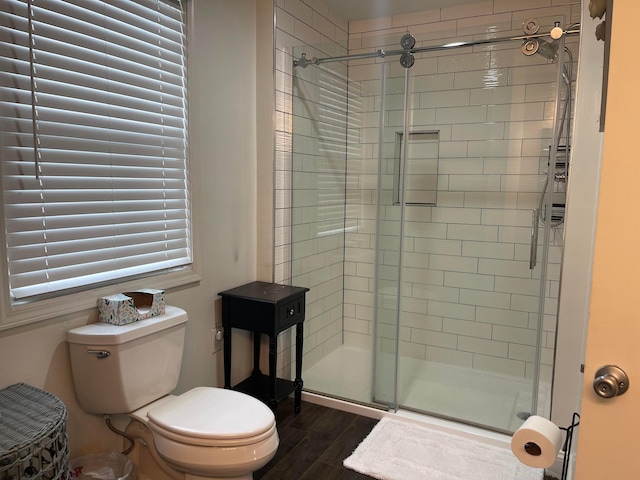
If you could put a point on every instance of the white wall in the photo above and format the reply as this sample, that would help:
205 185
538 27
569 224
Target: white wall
580 226
223 157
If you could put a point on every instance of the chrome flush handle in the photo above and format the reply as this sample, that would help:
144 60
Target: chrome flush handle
99 353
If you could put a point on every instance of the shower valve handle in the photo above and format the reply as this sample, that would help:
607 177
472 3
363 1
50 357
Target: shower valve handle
610 381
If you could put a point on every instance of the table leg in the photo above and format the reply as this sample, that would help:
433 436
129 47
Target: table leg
256 355
298 380
273 356
227 356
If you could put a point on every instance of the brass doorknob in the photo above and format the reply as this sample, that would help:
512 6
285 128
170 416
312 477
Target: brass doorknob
610 381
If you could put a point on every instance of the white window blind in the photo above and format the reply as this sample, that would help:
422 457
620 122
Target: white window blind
93 141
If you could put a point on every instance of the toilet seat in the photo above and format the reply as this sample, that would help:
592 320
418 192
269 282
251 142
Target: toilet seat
212 417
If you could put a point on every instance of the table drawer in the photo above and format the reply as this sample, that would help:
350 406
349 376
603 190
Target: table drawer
291 312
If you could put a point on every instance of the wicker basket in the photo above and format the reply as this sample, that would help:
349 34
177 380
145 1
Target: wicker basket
33 436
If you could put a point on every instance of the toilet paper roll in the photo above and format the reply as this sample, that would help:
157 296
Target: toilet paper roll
537 442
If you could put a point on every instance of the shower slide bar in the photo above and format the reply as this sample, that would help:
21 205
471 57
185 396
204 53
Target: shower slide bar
303 61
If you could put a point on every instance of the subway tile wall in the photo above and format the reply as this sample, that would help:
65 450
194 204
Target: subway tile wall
311 171
468 296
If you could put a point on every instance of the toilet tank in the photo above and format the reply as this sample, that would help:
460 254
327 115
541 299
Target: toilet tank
120 368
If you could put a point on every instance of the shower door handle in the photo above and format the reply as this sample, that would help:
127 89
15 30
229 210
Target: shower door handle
533 253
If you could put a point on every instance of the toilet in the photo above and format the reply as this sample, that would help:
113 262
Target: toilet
205 433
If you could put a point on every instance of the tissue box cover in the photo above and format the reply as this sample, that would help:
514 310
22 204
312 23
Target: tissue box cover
129 307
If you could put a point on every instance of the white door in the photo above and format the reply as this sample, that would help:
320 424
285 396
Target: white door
609 432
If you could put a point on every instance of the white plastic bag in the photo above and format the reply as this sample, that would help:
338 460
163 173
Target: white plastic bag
102 466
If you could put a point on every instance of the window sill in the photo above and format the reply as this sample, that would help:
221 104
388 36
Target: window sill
28 313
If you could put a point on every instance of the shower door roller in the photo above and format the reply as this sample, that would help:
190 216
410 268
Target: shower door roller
407 60
610 381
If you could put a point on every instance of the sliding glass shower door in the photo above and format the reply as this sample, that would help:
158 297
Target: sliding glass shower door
467 261
427 210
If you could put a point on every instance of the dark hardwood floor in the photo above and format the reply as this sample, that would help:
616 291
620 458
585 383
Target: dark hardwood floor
314 443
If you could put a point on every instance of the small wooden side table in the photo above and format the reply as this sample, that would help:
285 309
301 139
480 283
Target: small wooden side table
265 308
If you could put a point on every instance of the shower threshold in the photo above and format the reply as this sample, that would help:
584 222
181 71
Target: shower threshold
486 399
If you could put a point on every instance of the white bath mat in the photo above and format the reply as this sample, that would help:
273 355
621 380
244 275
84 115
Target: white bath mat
396 450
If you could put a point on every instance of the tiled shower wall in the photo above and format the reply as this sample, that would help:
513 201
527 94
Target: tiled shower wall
468 295
311 170
467 300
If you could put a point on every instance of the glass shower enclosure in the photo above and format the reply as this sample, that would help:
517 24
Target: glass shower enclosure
420 192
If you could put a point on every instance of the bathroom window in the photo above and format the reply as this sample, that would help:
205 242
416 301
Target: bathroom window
93 143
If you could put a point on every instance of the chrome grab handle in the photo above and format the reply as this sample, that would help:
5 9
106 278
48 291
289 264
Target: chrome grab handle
534 239
99 353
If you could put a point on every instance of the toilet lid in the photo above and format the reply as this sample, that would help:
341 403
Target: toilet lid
211 413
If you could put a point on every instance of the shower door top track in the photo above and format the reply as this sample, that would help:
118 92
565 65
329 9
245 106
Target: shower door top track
303 61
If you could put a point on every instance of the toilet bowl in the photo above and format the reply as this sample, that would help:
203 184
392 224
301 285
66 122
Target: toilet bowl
207 433
204 433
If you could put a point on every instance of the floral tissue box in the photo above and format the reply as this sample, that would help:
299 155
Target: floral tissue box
129 307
